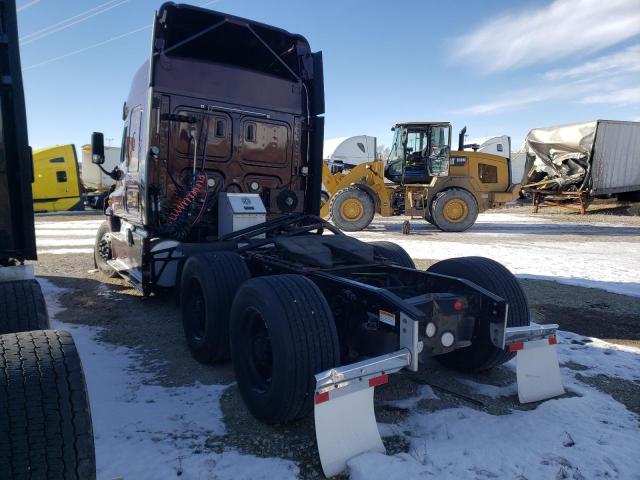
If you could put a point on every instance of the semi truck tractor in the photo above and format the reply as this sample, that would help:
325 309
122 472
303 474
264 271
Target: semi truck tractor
219 200
45 419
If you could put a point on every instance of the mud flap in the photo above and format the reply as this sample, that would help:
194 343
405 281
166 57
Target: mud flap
345 427
344 415
537 370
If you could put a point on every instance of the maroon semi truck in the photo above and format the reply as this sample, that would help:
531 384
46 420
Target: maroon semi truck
217 198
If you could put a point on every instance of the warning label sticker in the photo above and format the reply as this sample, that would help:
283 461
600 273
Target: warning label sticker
388 318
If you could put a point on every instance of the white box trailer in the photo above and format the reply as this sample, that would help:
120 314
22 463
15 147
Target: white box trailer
96 183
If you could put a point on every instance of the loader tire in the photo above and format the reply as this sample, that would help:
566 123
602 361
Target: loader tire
352 209
282 334
489 274
102 251
394 253
22 307
45 419
454 210
207 289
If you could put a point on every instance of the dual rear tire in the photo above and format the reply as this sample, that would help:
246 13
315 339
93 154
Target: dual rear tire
278 329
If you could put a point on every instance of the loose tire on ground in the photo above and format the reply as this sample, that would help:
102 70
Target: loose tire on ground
208 286
454 210
394 253
102 252
352 209
45 419
482 354
282 334
22 307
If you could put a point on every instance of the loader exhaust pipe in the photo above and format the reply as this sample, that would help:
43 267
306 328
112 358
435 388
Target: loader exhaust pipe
461 138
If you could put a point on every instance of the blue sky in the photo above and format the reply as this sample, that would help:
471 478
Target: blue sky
497 66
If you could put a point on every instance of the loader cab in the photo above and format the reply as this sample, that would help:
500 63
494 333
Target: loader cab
420 151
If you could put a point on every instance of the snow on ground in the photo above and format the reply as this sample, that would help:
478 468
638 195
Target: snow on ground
150 431
532 247
585 436
605 256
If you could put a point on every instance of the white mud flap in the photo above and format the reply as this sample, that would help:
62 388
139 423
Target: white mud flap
537 370
345 419
345 427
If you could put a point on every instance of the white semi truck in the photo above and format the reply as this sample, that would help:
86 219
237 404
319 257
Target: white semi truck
96 182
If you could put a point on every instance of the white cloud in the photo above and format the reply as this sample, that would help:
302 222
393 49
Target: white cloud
519 98
625 96
610 90
540 35
625 61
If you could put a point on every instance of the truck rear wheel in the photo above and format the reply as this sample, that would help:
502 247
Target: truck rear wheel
282 334
22 307
102 251
454 210
207 288
352 209
489 274
393 252
45 419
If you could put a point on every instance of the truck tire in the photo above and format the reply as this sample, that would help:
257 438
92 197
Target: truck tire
102 251
352 209
207 288
45 419
394 253
282 334
454 210
22 307
489 274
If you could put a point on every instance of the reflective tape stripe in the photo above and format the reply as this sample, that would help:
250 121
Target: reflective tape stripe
321 397
514 347
382 379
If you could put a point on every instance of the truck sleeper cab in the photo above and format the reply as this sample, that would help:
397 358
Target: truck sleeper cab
223 120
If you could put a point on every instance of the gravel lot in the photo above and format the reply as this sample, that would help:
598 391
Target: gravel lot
152 327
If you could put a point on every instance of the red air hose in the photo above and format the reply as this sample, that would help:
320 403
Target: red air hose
188 199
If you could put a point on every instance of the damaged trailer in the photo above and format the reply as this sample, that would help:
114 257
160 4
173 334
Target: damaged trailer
598 158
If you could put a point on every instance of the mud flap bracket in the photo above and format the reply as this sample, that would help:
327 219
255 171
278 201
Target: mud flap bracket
345 419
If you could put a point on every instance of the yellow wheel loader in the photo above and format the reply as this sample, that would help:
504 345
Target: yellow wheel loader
422 177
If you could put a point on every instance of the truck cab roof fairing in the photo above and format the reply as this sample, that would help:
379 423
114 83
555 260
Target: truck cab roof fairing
196 33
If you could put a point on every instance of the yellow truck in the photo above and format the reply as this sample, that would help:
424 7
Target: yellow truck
422 177
56 184
60 184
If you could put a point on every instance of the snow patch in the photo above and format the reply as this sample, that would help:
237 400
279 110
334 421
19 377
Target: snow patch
466 443
151 431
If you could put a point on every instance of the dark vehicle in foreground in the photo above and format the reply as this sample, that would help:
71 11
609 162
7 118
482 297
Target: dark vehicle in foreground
218 198
45 420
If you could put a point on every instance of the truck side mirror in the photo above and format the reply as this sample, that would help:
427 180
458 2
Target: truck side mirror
97 148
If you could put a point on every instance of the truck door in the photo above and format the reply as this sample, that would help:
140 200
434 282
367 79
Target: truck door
133 160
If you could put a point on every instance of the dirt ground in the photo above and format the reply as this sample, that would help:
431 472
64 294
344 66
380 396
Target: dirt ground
152 326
